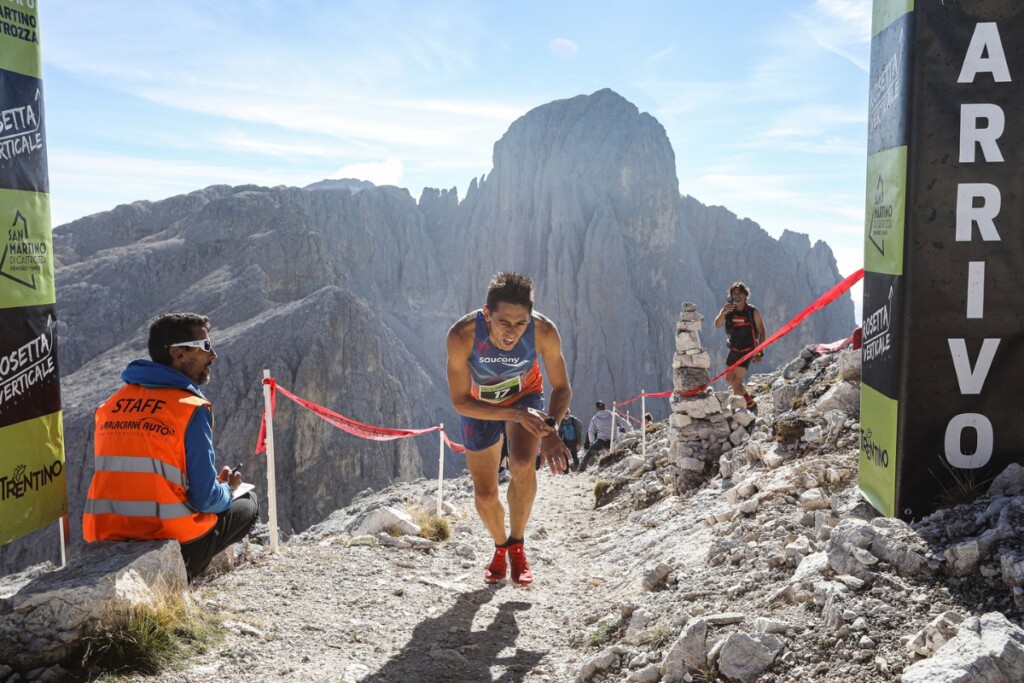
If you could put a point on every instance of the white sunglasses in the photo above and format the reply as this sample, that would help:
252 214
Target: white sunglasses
204 344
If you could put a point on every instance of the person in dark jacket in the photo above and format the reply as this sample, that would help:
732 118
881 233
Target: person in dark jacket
570 431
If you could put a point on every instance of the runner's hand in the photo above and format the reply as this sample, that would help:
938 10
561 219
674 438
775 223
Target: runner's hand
554 453
535 422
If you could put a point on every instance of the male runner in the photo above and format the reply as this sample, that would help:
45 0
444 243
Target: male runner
494 378
745 328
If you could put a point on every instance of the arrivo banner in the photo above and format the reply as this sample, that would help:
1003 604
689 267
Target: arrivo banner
943 251
33 484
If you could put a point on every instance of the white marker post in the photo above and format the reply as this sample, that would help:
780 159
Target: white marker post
643 423
611 442
440 467
271 476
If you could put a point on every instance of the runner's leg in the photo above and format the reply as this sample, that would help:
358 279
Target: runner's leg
483 468
523 488
735 380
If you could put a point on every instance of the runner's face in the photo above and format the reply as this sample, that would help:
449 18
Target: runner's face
738 298
506 324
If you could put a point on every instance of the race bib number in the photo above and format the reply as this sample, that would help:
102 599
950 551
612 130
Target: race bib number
496 393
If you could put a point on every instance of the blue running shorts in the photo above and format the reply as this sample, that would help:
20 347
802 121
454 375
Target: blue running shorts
478 435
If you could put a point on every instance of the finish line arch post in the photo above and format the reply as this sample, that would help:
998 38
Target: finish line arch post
943 251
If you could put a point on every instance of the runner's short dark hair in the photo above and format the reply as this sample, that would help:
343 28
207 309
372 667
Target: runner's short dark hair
172 328
511 288
599 405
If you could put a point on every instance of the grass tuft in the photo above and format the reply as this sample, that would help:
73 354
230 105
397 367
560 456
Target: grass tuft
148 638
660 636
433 527
709 675
958 486
602 635
437 530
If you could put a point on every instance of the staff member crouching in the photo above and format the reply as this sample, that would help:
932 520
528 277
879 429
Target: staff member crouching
155 475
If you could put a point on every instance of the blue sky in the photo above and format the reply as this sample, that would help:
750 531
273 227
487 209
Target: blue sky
764 102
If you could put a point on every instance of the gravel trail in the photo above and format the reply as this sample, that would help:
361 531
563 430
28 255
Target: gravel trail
325 611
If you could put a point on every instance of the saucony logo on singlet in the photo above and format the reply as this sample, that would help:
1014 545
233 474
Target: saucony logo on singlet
502 359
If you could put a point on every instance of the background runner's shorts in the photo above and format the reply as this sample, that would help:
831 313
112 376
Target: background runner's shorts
735 356
480 434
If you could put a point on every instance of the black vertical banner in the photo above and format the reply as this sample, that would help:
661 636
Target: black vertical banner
966 255
962 322
885 242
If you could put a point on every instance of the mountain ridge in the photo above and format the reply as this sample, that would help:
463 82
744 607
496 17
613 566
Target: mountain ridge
583 196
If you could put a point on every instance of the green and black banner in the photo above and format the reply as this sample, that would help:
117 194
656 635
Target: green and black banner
33 489
943 323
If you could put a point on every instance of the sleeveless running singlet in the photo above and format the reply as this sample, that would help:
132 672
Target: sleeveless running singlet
740 326
503 377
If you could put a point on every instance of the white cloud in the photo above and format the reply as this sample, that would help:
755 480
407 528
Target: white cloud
563 48
842 27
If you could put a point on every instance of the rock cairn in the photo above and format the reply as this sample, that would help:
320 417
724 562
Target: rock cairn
707 424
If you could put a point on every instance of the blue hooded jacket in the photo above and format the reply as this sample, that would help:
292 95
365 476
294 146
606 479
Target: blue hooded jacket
205 493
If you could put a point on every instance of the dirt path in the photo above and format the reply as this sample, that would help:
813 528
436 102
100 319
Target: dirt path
327 612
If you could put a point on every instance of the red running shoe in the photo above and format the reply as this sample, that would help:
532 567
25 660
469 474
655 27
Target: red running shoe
495 571
521 572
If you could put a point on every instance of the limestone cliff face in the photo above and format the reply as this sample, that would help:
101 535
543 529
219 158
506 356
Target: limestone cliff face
302 282
584 197
345 291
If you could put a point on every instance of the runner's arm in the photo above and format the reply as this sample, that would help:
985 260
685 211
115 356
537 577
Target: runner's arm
726 309
549 347
761 335
460 381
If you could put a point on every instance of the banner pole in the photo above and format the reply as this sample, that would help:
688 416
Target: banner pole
271 475
611 442
643 423
63 547
440 467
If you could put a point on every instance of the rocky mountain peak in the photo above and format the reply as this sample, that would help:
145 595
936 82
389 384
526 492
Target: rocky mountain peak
345 291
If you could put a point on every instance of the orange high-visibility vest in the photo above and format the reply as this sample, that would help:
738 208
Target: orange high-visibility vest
138 490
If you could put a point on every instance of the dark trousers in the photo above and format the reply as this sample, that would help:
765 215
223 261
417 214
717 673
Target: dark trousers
595 448
232 526
573 447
